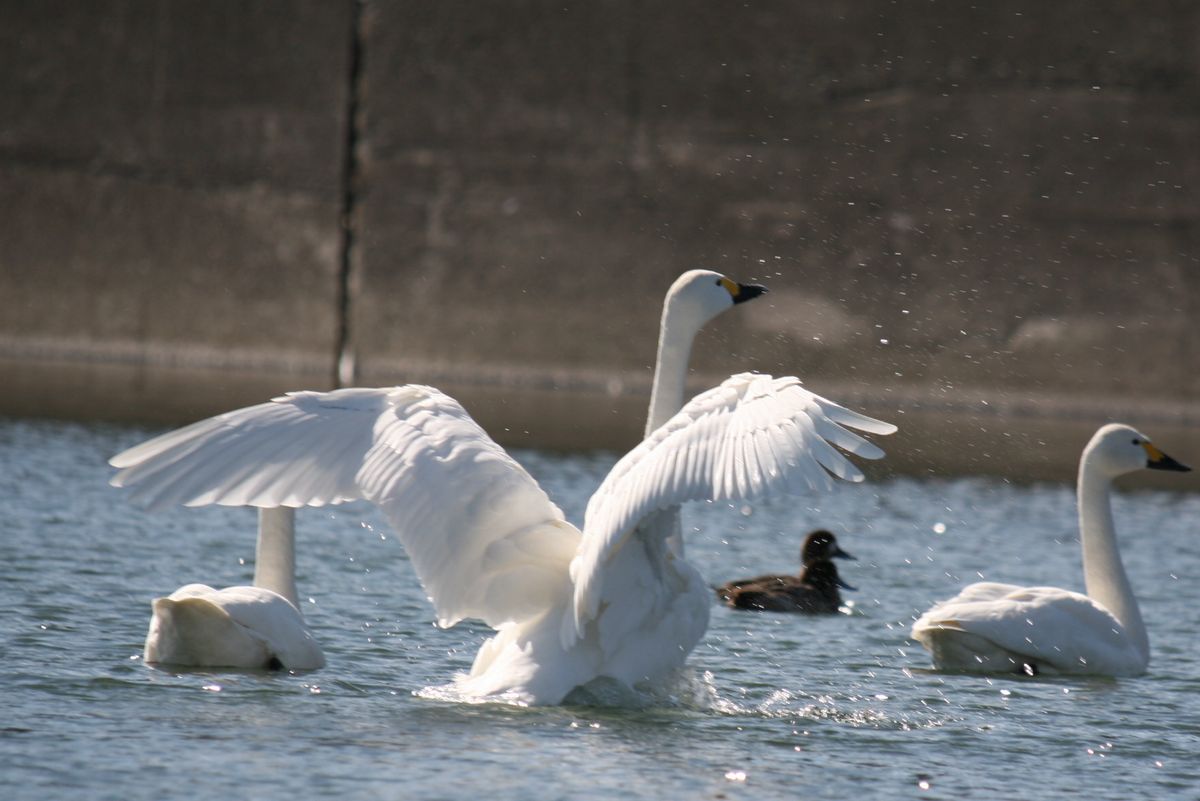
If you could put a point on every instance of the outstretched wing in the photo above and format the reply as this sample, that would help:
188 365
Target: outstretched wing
751 436
301 449
484 538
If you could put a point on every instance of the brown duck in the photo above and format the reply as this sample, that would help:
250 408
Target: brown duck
814 590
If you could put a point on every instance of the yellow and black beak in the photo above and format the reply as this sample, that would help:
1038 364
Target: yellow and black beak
742 292
1157 460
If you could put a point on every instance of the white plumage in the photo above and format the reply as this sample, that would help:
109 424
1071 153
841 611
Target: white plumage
1005 628
256 627
237 627
753 435
617 600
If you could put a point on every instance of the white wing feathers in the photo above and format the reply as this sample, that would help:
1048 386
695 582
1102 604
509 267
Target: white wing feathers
748 437
1063 629
484 539
301 449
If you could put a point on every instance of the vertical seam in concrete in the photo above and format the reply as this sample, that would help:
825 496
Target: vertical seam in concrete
344 373
637 145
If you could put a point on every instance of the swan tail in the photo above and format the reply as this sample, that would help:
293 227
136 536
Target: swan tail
526 664
199 633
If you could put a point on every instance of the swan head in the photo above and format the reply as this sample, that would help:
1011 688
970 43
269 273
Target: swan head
821 546
698 296
1118 449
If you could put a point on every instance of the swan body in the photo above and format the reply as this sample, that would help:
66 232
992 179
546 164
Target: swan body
256 627
615 600
1005 628
237 627
819 546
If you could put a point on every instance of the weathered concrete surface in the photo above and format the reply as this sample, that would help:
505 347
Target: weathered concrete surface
170 194
958 209
948 196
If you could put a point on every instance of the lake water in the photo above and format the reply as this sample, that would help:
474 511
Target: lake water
776 707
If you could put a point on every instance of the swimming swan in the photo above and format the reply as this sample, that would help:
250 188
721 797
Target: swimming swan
616 600
819 546
1002 628
239 627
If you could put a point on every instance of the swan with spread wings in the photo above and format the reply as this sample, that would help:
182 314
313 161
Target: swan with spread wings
615 600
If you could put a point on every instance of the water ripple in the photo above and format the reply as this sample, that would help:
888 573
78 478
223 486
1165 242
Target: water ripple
772 706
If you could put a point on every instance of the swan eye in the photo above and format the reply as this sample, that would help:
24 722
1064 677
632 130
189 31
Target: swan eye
1137 441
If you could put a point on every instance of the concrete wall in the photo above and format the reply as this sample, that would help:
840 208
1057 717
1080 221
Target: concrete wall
988 210
170 191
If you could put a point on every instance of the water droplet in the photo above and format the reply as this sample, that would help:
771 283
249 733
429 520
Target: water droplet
735 775
939 528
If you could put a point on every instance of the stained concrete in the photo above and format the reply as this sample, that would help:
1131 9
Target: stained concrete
170 178
952 205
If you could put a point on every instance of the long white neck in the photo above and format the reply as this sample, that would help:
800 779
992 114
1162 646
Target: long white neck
670 369
666 398
1103 572
275 560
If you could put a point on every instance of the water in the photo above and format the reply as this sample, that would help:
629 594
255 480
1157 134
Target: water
776 706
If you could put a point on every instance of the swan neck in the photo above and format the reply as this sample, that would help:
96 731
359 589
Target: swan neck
670 369
1104 573
275 560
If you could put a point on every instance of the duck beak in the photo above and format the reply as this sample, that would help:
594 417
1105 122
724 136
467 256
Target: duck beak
747 292
846 586
1157 460
838 553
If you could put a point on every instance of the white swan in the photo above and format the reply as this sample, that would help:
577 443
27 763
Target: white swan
1002 628
616 600
239 627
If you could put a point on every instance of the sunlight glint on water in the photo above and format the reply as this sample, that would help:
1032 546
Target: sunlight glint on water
770 706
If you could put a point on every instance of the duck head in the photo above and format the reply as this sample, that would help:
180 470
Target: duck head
821 545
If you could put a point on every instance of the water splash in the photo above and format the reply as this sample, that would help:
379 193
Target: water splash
683 690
